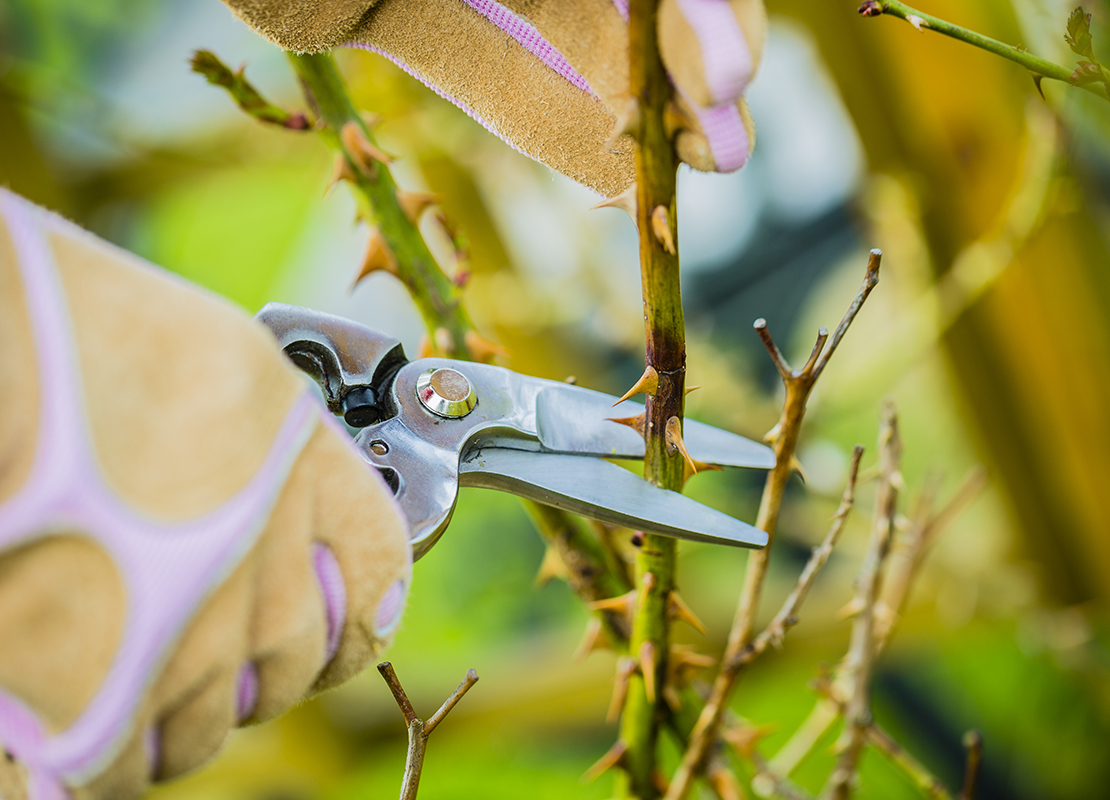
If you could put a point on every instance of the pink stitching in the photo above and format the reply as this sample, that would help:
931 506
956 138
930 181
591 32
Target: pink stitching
529 38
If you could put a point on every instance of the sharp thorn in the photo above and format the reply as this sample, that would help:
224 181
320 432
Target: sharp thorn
482 349
622 603
661 227
378 258
691 389
626 665
637 423
340 171
611 759
551 567
592 639
647 383
744 738
416 203
796 465
678 609
424 349
626 201
673 434
364 153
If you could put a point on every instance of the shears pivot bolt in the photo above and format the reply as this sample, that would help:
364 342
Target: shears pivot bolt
446 393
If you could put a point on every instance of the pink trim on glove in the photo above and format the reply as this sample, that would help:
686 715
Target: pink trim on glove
334 592
168 568
529 38
724 50
728 138
246 692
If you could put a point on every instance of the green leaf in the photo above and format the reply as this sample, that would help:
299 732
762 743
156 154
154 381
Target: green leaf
1085 73
1078 36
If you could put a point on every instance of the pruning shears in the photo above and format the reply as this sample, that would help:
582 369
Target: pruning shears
435 424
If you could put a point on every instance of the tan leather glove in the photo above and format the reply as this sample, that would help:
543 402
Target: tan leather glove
550 77
188 540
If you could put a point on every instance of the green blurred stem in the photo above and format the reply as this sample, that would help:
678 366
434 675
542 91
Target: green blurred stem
591 570
923 21
436 297
656 217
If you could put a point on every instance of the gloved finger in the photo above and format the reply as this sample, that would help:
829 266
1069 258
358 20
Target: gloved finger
218 500
504 73
710 48
715 139
303 26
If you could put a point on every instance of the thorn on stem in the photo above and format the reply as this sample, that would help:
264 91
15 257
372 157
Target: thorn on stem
593 638
625 201
364 153
661 227
611 759
647 383
340 171
551 567
626 665
416 203
673 435
637 423
482 349
678 610
379 258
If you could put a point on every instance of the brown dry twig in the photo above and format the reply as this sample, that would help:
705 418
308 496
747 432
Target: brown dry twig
784 438
859 662
888 746
926 526
420 730
973 741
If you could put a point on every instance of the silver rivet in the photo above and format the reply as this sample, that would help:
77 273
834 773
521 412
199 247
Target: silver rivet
446 393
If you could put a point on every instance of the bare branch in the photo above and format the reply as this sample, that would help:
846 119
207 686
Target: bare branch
973 741
870 281
418 730
890 747
394 684
787 617
861 652
457 695
818 346
777 358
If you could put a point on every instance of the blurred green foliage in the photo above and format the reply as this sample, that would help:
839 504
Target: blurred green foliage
991 329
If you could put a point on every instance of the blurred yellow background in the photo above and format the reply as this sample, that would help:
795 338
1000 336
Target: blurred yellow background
990 330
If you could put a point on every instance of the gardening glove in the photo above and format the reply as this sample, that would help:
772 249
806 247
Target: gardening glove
550 77
188 540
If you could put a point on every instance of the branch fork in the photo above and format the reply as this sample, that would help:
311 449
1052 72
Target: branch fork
419 730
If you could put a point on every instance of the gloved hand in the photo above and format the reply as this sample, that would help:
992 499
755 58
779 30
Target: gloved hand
188 539
550 77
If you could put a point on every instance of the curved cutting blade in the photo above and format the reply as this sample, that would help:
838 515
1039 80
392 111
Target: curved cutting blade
603 491
570 419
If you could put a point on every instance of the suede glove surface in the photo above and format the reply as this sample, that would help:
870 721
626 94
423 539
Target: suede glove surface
188 540
550 77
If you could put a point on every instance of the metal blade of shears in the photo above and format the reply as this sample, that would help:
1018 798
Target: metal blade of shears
595 488
570 419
